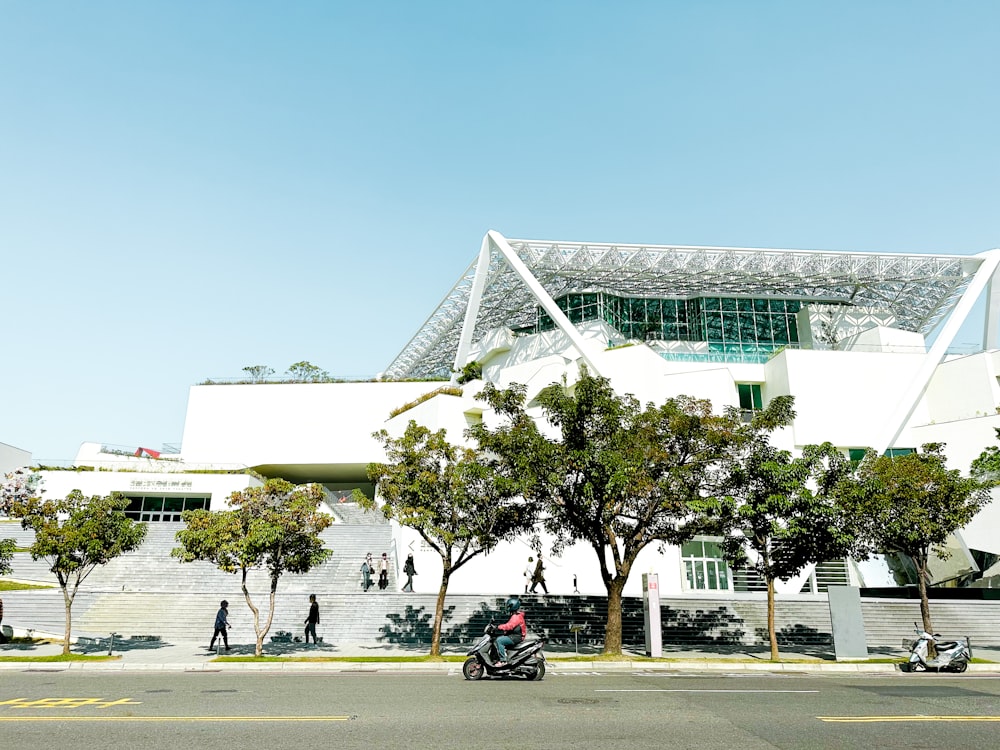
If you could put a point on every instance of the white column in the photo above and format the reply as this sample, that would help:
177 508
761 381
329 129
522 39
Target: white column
909 399
991 325
472 308
543 297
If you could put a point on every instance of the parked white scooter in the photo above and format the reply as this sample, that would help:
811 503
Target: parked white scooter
952 656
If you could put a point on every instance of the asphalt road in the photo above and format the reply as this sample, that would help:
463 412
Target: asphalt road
201 710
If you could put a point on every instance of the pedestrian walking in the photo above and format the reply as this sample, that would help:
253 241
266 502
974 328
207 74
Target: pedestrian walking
410 569
529 572
221 625
538 576
312 619
3 638
367 570
383 572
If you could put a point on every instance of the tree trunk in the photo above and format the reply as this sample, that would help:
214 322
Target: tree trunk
925 605
262 633
439 614
259 647
613 629
68 602
771 633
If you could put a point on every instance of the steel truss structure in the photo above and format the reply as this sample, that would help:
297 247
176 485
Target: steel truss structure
512 279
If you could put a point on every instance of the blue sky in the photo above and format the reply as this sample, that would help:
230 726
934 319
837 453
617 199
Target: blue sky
189 188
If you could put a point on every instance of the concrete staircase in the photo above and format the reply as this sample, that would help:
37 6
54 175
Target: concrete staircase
151 568
147 592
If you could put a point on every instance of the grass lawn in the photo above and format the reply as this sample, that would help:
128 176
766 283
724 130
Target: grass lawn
17 586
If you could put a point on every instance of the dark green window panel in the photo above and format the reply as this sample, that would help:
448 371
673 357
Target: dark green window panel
750 398
729 304
760 305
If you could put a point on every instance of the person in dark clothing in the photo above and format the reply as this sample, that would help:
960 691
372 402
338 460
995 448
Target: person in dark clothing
221 625
538 577
410 569
367 569
313 619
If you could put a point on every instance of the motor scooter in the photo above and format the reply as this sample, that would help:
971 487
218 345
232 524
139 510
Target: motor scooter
952 656
524 660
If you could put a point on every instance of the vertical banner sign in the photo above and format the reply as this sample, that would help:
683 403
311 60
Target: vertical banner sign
651 614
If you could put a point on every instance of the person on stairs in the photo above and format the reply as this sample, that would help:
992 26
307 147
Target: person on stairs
367 569
383 572
411 570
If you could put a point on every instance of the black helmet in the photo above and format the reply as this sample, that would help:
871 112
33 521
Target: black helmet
224 603
513 604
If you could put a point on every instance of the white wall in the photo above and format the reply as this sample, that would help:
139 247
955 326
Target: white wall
58 484
302 423
963 387
842 397
13 458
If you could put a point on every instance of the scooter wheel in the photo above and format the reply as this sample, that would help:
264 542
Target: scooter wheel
960 666
538 672
472 669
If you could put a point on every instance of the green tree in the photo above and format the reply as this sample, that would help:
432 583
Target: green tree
986 467
306 372
780 513
275 527
15 486
75 535
451 496
612 475
471 371
258 373
909 505
7 548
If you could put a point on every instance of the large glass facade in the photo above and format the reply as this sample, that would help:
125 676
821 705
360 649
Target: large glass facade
729 325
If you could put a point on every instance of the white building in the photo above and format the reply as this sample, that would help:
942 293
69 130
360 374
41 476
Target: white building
846 334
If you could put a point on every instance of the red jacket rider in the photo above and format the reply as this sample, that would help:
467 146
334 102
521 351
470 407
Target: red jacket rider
516 622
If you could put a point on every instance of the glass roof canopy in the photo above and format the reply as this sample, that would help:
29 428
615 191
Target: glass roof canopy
918 289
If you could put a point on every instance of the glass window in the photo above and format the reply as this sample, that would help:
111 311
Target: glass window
704 567
750 397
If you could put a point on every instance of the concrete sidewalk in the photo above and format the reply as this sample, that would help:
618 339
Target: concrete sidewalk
144 655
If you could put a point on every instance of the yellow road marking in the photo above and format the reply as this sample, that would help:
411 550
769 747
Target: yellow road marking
918 717
174 718
68 702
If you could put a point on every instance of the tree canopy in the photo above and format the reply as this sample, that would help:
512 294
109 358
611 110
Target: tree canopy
77 534
608 472
275 527
910 505
778 514
450 495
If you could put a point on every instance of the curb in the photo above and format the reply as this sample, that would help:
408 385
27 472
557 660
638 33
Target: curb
554 667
